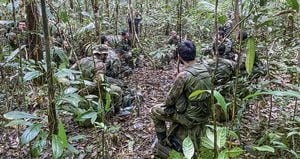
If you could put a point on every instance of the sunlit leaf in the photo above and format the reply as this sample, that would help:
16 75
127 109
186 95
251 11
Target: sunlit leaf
250 54
19 115
264 148
30 133
57 146
62 134
86 115
39 145
234 152
188 148
223 154
31 75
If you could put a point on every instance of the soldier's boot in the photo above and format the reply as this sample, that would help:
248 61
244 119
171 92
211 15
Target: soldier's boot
161 136
162 151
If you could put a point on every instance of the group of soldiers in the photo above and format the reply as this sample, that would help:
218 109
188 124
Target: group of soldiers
109 66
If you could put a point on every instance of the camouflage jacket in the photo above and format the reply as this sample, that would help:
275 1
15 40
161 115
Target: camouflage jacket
173 41
194 77
125 44
88 69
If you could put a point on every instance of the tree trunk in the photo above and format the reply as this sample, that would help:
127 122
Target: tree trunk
34 40
236 17
117 2
52 117
96 17
71 4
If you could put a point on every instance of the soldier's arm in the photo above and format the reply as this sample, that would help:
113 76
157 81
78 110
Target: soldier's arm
176 90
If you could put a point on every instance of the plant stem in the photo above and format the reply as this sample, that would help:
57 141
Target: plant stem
52 117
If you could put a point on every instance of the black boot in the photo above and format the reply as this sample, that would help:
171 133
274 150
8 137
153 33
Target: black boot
161 136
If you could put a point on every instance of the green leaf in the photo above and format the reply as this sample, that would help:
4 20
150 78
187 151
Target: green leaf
208 140
63 15
18 122
19 115
108 101
57 146
62 134
196 93
250 54
72 149
70 90
293 4
276 93
175 155
223 154
86 115
31 75
188 147
221 102
39 145
222 19
30 133
235 152
264 148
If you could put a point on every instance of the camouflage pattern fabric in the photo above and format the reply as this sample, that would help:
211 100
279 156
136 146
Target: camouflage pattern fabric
228 52
125 45
173 41
177 107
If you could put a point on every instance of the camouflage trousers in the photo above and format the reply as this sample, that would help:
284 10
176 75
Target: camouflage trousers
160 118
116 96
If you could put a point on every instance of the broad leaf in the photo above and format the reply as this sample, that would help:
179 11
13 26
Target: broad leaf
196 93
32 75
264 148
276 93
70 90
57 146
108 102
175 155
62 134
188 148
250 54
30 133
18 122
86 115
19 115
235 152
223 154
39 145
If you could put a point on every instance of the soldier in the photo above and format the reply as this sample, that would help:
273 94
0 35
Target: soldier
137 20
95 68
117 67
174 39
126 45
177 108
12 35
227 52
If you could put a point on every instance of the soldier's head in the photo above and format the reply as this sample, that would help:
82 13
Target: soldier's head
186 51
173 34
22 25
100 53
104 40
244 36
125 35
221 35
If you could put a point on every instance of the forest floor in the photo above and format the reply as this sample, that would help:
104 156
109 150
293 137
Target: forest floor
136 136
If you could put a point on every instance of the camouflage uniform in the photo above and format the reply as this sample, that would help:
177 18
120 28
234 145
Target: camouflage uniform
228 50
95 71
178 108
173 40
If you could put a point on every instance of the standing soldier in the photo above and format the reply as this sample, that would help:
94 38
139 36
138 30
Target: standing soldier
137 20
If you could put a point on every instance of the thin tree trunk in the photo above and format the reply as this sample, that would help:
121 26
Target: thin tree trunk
71 4
34 40
236 17
212 98
52 117
168 24
117 2
96 17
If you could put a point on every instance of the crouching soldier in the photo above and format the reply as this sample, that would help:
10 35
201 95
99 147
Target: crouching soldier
94 68
188 117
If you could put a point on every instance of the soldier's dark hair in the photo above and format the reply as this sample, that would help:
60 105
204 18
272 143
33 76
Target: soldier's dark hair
222 28
221 33
124 33
187 50
244 36
103 39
